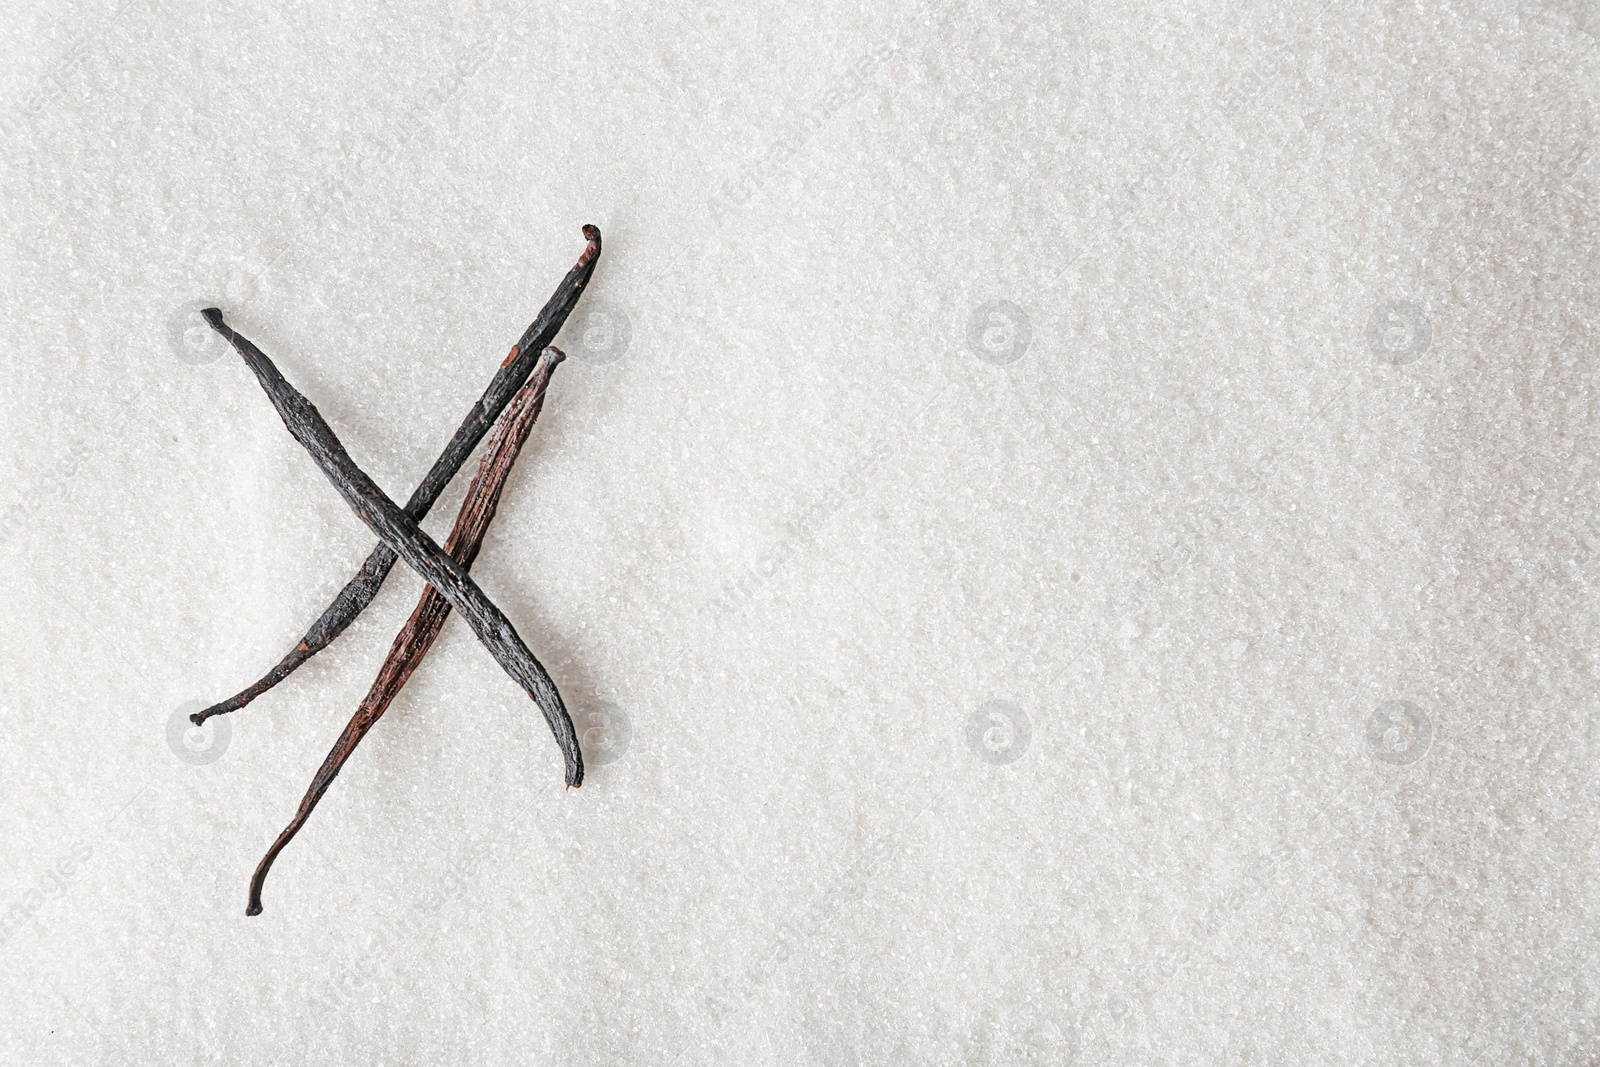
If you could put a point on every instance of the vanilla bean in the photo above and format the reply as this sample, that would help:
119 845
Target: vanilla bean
422 553
420 631
360 590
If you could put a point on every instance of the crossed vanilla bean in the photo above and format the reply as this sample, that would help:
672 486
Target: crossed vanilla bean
359 592
401 533
414 640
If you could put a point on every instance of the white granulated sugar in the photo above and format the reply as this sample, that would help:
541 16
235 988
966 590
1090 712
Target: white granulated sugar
1069 532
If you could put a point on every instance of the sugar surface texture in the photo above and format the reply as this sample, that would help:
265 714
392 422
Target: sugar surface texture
1069 531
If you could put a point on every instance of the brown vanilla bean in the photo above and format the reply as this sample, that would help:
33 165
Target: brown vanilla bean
422 553
360 590
420 631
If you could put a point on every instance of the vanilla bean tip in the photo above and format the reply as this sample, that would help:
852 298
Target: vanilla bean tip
592 233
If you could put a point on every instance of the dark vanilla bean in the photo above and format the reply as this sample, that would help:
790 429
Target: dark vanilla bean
360 590
420 631
400 532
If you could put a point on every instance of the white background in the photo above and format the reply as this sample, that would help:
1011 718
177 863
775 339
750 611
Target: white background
1286 414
